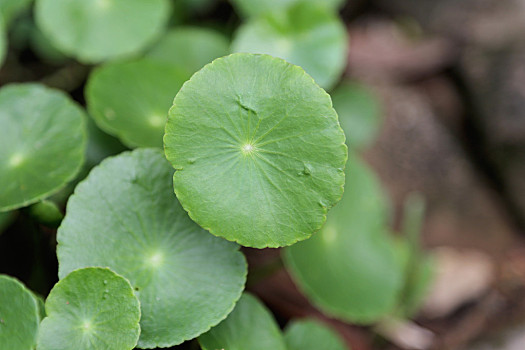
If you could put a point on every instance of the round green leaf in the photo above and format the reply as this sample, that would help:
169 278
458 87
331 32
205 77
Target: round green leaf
131 99
349 269
258 149
190 48
126 217
359 113
42 143
91 309
96 30
312 335
255 8
308 36
18 315
249 326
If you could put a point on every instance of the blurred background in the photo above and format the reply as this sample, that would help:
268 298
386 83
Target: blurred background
432 99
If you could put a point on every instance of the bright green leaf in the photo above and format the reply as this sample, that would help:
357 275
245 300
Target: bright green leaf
348 269
250 326
91 309
308 36
126 217
97 30
312 335
131 99
190 48
18 315
258 149
359 113
42 143
255 8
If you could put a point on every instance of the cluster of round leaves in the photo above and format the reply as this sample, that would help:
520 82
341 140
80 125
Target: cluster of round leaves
126 241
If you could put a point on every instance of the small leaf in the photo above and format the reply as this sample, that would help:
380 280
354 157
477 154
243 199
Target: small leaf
312 335
190 48
241 133
42 143
47 213
359 113
348 269
90 309
308 36
18 315
250 326
97 30
131 99
125 216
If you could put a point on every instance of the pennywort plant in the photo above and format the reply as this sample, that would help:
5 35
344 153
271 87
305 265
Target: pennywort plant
191 146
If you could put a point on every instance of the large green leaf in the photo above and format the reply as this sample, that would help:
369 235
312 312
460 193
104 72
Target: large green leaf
42 143
91 309
126 217
96 30
308 36
359 113
190 48
312 335
255 8
349 269
18 315
250 326
258 151
131 99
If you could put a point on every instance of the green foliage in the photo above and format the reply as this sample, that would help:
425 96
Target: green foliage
249 326
348 269
190 48
46 212
98 30
18 315
241 134
312 335
88 310
308 36
125 216
10 9
131 99
255 8
359 113
42 143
